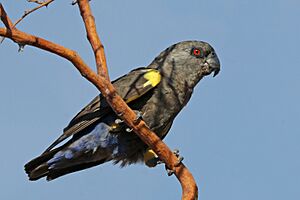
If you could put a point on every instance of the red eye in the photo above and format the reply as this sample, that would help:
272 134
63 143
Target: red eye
197 52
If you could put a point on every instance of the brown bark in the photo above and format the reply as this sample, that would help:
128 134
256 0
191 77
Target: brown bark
93 37
101 81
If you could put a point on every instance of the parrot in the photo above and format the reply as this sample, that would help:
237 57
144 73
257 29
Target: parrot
157 93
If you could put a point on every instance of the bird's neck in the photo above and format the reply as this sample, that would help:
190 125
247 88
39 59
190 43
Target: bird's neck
175 82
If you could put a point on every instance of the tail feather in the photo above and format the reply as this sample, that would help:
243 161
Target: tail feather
38 172
40 166
37 167
88 150
55 173
34 163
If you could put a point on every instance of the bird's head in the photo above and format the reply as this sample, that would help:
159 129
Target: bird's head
189 61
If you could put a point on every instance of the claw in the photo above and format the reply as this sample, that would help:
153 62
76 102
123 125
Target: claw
139 116
119 121
170 171
120 114
176 152
180 159
128 130
137 120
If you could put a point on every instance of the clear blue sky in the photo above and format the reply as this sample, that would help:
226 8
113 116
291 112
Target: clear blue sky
239 133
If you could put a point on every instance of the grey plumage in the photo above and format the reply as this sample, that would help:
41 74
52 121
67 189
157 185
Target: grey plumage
97 138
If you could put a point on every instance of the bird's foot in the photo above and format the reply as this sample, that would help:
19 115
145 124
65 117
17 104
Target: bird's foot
179 161
180 158
151 160
139 116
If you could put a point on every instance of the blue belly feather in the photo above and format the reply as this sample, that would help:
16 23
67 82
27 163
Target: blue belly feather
98 138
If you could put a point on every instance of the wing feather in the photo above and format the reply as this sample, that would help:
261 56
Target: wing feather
130 87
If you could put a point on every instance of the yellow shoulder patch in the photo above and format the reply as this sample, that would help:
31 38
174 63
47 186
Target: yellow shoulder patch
142 83
153 77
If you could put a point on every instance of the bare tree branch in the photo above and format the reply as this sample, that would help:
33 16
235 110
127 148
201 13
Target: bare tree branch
189 187
93 37
5 19
26 13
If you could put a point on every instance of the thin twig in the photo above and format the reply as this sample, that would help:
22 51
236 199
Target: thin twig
41 4
35 1
26 13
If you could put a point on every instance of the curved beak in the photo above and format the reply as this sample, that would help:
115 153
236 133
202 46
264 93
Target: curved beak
214 64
